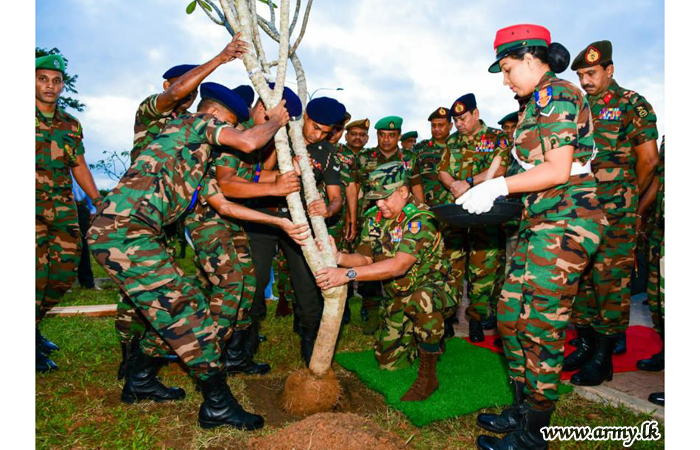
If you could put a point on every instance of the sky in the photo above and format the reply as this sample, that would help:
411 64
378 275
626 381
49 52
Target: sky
391 57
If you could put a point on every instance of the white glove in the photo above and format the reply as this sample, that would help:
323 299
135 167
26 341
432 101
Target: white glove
480 198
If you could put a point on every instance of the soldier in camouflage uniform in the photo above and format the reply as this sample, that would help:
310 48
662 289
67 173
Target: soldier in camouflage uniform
127 239
153 114
387 150
339 225
408 140
654 221
401 247
469 155
59 153
561 228
428 155
625 135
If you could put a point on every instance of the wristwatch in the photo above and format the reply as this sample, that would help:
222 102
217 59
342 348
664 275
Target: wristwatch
351 274
470 180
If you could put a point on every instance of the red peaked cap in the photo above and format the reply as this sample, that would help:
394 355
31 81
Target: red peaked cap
520 32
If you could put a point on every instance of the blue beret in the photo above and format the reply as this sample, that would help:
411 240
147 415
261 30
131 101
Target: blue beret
293 104
178 71
326 111
227 97
465 103
247 93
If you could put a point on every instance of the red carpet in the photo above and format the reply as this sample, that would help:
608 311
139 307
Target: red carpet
642 342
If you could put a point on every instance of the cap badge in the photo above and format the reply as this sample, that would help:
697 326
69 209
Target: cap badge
442 112
367 123
391 125
459 107
592 56
56 64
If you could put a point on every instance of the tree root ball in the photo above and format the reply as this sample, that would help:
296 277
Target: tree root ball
306 393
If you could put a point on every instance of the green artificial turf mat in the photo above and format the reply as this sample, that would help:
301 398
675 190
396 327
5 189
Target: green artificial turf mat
471 378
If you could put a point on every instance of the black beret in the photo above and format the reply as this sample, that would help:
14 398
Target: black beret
293 104
247 93
178 71
226 97
465 103
326 111
512 117
599 52
440 113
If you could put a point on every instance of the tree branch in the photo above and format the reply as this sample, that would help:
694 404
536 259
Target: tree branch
256 39
303 28
296 16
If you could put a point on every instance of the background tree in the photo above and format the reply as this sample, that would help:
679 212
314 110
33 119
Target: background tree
64 101
113 164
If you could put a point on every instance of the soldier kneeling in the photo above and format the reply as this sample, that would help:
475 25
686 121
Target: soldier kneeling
401 246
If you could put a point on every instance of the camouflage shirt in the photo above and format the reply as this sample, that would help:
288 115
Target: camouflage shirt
160 184
371 158
59 142
469 156
622 119
428 156
558 115
415 232
149 123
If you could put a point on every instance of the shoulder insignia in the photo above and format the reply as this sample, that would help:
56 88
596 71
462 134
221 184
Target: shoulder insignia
414 226
543 97
641 111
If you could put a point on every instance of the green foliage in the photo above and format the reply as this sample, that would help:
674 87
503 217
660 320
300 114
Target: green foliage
267 2
68 80
190 8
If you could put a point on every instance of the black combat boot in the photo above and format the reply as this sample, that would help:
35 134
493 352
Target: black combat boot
308 338
657 398
143 384
653 364
620 344
44 363
450 326
128 354
526 437
476 332
509 419
44 344
599 368
220 407
489 323
235 357
584 350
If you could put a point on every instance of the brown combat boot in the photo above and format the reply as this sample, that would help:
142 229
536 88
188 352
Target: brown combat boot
426 382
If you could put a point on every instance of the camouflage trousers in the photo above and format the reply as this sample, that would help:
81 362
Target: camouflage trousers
412 320
536 301
282 277
57 254
226 269
654 287
136 258
603 300
476 251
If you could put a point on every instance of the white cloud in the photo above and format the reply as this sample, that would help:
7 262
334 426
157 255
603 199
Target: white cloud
111 123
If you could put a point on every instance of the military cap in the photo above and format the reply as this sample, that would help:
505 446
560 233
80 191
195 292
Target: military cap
389 123
440 113
178 71
246 92
51 62
465 103
409 135
596 53
511 38
362 123
386 179
293 104
346 119
325 110
512 117
226 97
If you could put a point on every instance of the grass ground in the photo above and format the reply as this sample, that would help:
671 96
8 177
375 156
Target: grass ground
78 406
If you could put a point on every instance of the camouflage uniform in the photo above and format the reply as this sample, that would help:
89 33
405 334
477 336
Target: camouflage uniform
428 155
418 302
148 124
466 157
59 141
561 228
127 239
622 119
367 161
348 174
656 242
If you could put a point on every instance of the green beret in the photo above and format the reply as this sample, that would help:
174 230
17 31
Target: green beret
440 113
596 53
385 179
51 62
512 117
362 123
389 123
409 135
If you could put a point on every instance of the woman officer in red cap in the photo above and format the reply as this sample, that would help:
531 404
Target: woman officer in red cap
560 228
